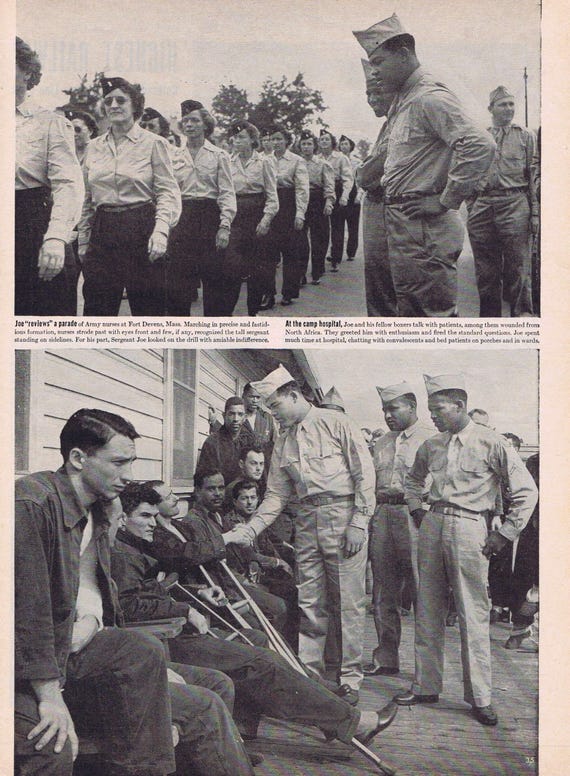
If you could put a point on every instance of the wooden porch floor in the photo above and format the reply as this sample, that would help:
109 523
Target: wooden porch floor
443 739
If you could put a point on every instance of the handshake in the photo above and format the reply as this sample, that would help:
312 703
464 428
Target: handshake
241 534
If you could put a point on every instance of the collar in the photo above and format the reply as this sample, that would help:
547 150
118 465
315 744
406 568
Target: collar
309 418
27 107
465 433
134 541
73 509
411 81
408 432
134 133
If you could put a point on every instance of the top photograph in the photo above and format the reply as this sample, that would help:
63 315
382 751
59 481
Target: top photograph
228 159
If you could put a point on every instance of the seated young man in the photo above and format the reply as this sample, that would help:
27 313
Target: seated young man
264 683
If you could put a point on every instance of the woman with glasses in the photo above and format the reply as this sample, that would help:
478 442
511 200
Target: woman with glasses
198 244
132 201
84 129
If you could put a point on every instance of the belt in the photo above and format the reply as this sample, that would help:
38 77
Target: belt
320 500
386 498
251 194
443 508
375 195
122 208
400 198
502 192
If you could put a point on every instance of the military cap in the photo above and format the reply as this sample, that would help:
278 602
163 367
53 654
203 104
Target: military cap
325 132
333 400
352 144
239 125
188 106
499 94
394 391
85 117
274 380
150 113
444 383
379 33
265 132
110 84
306 134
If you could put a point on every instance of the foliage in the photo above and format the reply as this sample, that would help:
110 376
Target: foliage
87 96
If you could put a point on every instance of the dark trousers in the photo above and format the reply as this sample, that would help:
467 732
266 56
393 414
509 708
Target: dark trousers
289 243
272 606
246 257
265 684
338 217
125 675
117 258
210 743
352 218
499 231
32 295
318 231
193 256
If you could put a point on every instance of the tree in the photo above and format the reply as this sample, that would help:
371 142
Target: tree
363 148
87 96
292 104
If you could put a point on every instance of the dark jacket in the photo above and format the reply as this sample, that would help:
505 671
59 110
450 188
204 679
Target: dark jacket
49 524
221 452
134 570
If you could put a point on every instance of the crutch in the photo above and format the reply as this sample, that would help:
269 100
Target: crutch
286 652
241 621
213 613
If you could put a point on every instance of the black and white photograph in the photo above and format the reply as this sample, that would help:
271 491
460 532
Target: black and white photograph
261 561
211 158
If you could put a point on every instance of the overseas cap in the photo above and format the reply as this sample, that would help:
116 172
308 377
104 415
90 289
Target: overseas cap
379 33
351 142
274 380
444 383
151 113
394 391
188 106
110 84
333 400
499 94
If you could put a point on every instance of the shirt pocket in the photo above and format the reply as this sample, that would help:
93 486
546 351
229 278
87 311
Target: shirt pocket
324 463
473 462
438 461
513 157
207 168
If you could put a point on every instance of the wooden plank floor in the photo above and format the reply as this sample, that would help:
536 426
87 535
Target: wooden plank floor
443 739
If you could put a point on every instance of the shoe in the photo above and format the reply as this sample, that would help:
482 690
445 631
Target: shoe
514 642
485 715
385 718
286 302
334 267
316 282
450 620
346 692
255 758
268 302
409 698
329 259
373 670
303 280
350 258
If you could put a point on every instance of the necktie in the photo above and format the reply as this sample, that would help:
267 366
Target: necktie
453 456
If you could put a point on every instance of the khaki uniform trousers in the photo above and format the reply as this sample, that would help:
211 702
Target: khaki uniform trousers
423 258
449 554
331 588
380 294
393 545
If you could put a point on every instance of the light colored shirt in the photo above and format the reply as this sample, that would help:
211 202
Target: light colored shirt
515 158
207 175
256 176
45 156
321 176
433 146
89 599
323 455
292 173
370 172
394 455
342 172
472 482
136 171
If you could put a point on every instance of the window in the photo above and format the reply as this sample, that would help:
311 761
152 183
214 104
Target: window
183 415
22 410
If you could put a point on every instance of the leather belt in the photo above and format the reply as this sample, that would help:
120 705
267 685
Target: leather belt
503 192
393 500
401 198
443 508
320 500
122 208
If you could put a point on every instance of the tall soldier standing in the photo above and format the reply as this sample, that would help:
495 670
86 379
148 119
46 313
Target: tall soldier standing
504 215
436 156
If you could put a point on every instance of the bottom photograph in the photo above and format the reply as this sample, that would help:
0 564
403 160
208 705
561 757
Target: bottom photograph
296 562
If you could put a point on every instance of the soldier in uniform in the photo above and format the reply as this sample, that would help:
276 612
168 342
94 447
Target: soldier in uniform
380 294
320 458
393 539
467 463
436 156
504 215
344 181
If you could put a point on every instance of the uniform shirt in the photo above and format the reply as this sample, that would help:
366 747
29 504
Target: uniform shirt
514 160
342 172
370 172
292 173
256 176
394 455
322 455
207 176
433 146
321 176
137 171
471 480
45 156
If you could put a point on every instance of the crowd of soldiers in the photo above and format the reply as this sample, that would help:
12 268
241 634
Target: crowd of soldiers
158 210
287 509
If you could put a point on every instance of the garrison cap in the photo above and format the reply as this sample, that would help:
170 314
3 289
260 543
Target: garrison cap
110 84
444 383
265 132
499 94
188 106
306 134
372 38
333 400
83 116
150 113
394 391
274 380
344 137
